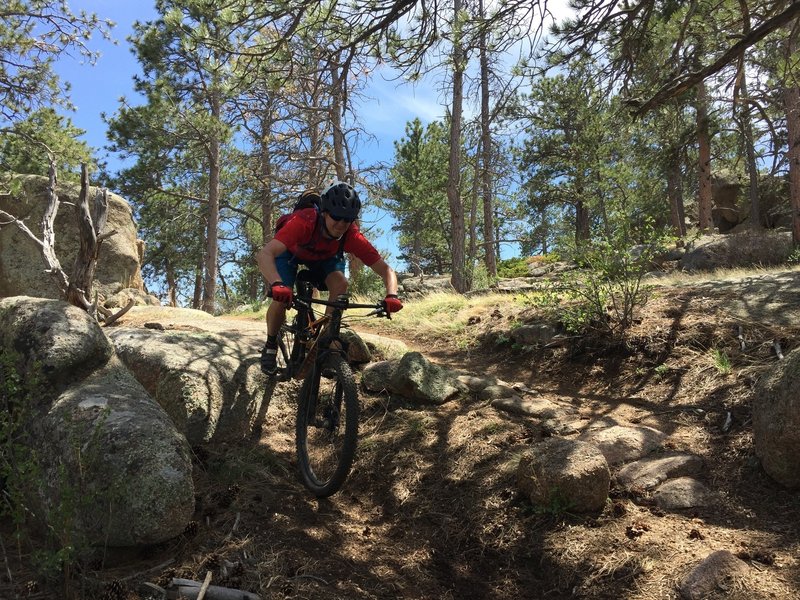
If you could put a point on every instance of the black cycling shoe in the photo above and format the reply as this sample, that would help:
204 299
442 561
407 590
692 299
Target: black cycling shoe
269 359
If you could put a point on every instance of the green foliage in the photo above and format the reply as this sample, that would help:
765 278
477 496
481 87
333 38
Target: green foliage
33 33
558 505
513 267
366 283
50 529
417 196
722 362
481 280
546 299
24 149
661 371
606 293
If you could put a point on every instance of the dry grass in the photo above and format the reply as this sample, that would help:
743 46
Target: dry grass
431 508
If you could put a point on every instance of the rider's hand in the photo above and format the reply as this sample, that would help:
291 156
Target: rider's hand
281 293
392 303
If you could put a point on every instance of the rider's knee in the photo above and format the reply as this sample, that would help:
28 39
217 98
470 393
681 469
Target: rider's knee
336 283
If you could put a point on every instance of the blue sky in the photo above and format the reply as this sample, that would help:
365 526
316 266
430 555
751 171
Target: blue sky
97 89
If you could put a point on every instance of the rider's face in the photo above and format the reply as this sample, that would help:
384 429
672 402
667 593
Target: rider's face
337 227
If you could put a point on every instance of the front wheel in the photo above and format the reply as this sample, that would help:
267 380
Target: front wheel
327 426
287 351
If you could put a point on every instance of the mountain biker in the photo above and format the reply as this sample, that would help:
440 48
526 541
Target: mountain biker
317 239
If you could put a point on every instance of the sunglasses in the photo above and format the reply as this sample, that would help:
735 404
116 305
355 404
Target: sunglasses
340 219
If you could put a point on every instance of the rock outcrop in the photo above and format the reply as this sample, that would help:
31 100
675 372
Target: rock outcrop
776 421
209 384
21 264
102 449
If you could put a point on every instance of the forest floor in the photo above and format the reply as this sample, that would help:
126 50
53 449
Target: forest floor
431 509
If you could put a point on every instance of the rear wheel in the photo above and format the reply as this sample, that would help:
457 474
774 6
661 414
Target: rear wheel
327 426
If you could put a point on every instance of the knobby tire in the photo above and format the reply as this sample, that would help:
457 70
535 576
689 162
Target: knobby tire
327 426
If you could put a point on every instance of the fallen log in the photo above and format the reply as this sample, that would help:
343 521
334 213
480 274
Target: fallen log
190 590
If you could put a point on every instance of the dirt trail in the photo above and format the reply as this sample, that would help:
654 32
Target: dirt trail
431 508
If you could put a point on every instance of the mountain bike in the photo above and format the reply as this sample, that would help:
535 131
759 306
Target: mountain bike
311 348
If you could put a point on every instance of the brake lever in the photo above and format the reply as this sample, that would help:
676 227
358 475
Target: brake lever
380 312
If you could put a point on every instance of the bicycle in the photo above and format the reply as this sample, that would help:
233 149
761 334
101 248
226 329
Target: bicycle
311 348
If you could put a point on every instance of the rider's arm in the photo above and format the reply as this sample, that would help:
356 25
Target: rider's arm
387 274
266 260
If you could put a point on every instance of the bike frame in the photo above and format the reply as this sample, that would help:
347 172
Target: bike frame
307 328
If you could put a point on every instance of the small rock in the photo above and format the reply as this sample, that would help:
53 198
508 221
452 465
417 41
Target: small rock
533 407
621 444
720 572
683 492
475 384
493 392
649 472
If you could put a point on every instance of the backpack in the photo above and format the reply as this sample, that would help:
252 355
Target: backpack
308 199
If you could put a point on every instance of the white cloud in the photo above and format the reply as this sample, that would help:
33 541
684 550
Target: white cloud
390 104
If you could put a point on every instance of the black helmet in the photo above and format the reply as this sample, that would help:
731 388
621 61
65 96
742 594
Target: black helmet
341 200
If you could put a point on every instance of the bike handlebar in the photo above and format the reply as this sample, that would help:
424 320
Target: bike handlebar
378 309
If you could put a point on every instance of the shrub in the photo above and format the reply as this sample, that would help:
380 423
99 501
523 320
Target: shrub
605 294
513 267
366 283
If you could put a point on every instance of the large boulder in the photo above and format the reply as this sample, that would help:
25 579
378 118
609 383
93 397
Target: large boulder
731 206
565 475
209 384
415 378
418 286
107 458
725 191
743 249
21 263
776 421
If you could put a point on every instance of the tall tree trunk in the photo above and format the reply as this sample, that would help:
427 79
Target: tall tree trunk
791 100
258 284
582 227
197 296
472 248
746 124
314 171
212 228
704 200
337 108
490 259
339 142
675 194
172 284
265 169
457 279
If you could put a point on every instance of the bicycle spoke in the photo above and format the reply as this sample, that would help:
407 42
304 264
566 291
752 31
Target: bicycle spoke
285 348
327 429
325 437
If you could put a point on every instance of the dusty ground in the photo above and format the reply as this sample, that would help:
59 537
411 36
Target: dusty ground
431 509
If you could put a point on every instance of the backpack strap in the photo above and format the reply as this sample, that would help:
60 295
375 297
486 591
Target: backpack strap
318 225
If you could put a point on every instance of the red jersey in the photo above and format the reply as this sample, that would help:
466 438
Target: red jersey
303 237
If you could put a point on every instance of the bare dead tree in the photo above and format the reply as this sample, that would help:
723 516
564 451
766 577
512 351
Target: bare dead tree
77 290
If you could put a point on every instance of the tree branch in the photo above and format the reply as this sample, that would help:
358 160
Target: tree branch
679 85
